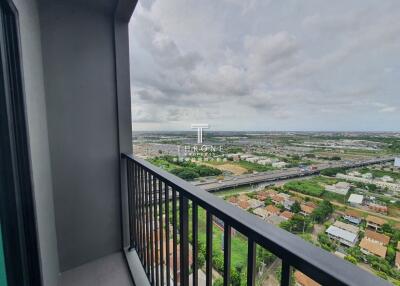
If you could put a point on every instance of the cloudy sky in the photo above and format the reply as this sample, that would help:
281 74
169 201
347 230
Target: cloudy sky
266 64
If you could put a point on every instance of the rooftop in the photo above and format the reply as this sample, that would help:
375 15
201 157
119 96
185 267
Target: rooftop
384 239
375 220
355 199
346 226
304 280
341 233
373 247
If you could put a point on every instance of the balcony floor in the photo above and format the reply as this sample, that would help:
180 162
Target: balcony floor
107 271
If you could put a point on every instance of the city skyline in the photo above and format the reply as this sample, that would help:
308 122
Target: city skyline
277 66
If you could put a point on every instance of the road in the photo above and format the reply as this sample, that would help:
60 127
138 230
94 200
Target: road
272 176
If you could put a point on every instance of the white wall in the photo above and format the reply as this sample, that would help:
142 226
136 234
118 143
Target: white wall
38 137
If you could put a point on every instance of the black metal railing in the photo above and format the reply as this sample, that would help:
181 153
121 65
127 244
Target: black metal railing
161 203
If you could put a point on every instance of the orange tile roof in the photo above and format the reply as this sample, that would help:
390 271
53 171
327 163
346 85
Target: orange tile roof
233 200
278 198
304 280
384 239
243 198
262 197
272 209
287 214
353 213
373 247
306 209
243 204
375 220
397 261
398 245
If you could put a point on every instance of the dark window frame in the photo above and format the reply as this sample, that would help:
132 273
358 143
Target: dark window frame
17 215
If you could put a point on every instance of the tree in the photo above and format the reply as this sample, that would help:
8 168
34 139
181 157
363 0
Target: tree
295 208
350 259
323 210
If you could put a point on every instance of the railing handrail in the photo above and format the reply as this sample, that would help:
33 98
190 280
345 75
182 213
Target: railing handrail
316 263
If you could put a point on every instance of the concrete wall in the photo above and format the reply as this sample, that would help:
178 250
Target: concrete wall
83 119
38 138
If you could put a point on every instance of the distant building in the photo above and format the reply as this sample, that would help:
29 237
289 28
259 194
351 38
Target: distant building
372 248
341 188
272 210
243 204
288 204
286 215
377 237
349 227
387 179
355 200
367 176
306 210
255 203
279 165
397 260
277 199
265 161
261 212
378 208
352 216
274 219
375 222
343 236
397 162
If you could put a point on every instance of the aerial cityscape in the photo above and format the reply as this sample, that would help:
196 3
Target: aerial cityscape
337 190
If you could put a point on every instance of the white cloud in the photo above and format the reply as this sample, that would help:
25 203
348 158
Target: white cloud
265 64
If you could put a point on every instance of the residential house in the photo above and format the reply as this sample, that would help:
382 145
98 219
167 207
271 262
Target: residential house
262 196
261 212
352 216
343 236
355 200
286 215
303 280
378 208
275 219
233 200
397 260
341 188
346 226
288 203
372 248
277 199
375 222
377 237
255 203
272 210
244 204
306 210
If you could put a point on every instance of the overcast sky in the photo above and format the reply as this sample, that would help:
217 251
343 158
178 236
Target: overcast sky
266 65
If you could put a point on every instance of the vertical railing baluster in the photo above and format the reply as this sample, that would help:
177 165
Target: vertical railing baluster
151 221
195 244
133 204
130 207
174 238
184 239
144 235
148 244
285 273
160 201
139 210
251 262
209 242
168 252
227 254
156 228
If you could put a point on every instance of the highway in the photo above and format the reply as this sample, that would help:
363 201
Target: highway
291 173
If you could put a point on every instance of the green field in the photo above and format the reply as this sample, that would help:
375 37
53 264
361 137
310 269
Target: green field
380 173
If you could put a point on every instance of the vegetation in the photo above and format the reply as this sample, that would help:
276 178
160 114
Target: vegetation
185 170
307 187
380 173
331 172
322 212
297 224
254 166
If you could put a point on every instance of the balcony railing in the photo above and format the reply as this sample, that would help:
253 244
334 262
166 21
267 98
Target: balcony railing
159 213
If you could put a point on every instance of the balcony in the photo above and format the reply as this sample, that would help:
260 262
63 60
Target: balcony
152 193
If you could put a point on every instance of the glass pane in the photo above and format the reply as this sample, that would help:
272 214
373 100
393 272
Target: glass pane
3 278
